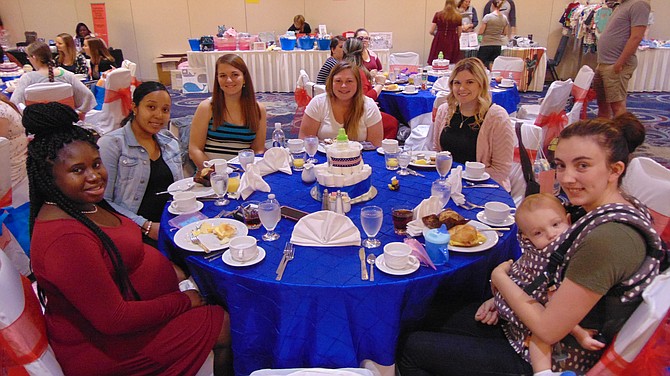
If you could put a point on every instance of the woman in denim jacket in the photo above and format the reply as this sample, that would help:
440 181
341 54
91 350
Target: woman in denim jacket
142 158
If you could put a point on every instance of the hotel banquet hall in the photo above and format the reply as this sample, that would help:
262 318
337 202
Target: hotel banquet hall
322 299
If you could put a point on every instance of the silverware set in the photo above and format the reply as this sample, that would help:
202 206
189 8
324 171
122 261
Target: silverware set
467 205
471 185
289 253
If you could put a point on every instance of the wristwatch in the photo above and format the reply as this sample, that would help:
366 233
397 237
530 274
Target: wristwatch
187 284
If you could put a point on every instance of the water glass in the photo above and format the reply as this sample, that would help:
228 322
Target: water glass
246 156
311 147
219 181
404 158
443 162
441 189
371 221
269 213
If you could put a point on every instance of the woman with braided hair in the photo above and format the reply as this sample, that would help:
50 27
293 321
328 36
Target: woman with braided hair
114 305
40 58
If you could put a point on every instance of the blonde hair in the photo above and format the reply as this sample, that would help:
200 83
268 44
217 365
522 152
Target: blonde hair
449 12
477 69
357 109
98 50
538 201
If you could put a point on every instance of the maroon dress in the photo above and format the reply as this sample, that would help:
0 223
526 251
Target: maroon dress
92 329
445 40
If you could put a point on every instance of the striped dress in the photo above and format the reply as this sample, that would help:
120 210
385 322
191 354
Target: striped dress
226 140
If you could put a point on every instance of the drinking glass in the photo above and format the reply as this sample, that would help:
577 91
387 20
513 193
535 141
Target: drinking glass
371 220
251 219
298 160
401 215
311 147
219 181
269 213
233 182
246 156
443 161
441 189
404 158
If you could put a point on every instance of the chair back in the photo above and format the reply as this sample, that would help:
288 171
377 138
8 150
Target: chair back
508 64
45 92
23 338
531 136
118 102
580 93
132 67
404 61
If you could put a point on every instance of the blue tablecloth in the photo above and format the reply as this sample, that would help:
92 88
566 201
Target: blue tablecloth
322 314
406 107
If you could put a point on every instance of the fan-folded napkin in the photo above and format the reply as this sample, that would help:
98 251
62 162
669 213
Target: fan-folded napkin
325 229
431 205
252 181
456 183
275 159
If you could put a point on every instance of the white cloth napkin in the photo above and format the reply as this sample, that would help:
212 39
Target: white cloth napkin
275 159
456 185
252 181
325 229
431 205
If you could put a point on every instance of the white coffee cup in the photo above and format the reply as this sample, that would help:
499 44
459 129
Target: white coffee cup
243 248
507 82
410 89
184 201
295 145
220 164
398 256
474 169
390 145
497 212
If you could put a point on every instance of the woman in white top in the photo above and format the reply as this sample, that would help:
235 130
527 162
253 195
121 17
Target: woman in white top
343 106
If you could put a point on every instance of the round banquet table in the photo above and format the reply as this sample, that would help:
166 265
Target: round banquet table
321 314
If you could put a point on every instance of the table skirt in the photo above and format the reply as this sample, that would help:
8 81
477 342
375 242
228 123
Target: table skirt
652 72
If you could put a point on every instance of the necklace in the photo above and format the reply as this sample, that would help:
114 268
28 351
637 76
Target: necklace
464 119
92 211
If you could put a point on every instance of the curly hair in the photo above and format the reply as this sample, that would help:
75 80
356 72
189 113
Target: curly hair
53 125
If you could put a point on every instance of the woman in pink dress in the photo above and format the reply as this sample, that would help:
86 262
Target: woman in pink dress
446 32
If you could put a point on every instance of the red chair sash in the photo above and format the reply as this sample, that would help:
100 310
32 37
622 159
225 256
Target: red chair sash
124 95
584 96
552 125
532 154
69 101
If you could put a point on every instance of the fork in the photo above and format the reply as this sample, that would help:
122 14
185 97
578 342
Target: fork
289 253
194 239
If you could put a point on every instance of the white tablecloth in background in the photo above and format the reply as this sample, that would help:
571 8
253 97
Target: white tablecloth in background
272 71
653 71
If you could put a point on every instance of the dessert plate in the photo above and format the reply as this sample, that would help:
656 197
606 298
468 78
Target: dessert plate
198 206
507 222
183 186
427 154
411 267
228 259
491 240
485 176
211 241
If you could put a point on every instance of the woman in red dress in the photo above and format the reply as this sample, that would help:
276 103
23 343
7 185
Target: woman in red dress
446 32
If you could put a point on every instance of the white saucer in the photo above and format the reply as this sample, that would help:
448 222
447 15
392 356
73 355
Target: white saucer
198 206
481 217
228 259
506 86
409 269
485 176
380 150
410 92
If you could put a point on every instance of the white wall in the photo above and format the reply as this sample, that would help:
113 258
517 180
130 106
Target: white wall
144 29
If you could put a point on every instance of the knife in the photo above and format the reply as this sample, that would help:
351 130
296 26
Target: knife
364 265
412 172
482 186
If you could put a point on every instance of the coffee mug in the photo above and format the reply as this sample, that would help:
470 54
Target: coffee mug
243 248
497 212
410 89
220 164
295 145
390 145
184 201
474 169
397 255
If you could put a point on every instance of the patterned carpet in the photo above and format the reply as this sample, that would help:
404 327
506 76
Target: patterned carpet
650 108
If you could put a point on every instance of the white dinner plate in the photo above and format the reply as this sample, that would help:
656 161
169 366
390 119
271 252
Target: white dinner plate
427 154
211 241
228 259
485 176
236 161
183 184
410 92
198 206
400 88
507 222
491 240
411 267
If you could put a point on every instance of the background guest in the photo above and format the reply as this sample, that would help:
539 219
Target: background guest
336 54
12 129
232 119
493 29
299 25
113 304
145 140
469 16
370 59
343 105
68 57
470 126
446 32
39 56
508 9
82 32
101 59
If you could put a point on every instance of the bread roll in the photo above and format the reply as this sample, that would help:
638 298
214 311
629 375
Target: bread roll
465 236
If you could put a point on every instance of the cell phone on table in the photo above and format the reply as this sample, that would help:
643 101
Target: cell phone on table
292 213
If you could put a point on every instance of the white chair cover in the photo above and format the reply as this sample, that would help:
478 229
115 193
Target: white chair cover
404 60
580 90
132 67
207 368
508 64
311 87
117 86
531 135
418 139
44 92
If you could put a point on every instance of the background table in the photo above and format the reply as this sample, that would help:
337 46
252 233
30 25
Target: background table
535 68
652 72
272 71
322 314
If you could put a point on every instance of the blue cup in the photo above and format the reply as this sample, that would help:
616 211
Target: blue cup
195 44
437 243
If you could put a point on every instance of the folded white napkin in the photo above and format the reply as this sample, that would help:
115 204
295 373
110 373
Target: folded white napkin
252 181
325 229
442 84
275 159
431 205
456 185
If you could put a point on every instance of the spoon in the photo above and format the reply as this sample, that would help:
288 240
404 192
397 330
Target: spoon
371 260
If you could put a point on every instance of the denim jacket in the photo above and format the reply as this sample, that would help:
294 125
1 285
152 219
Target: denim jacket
128 168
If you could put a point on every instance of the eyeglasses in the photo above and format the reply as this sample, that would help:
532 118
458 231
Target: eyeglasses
363 38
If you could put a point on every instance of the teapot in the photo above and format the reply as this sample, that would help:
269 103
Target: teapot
437 243
308 175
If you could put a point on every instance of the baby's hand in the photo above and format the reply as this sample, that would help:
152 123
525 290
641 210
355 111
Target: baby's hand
588 342
487 313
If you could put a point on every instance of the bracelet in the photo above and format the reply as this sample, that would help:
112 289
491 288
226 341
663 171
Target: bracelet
146 230
187 284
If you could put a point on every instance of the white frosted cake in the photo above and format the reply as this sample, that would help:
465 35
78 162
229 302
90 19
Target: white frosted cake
345 170
440 64
9 70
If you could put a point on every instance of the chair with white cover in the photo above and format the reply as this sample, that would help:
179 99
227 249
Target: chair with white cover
45 92
507 65
132 67
580 94
310 86
557 96
23 339
531 136
404 61
118 102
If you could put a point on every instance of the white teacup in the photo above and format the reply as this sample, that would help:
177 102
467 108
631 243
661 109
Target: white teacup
474 169
243 248
184 201
295 145
410 89
220 164
397 255
390 145
507 82
497 212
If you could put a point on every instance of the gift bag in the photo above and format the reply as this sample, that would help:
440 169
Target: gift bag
302 98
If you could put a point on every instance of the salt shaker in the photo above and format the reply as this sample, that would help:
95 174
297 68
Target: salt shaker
339 204
324 200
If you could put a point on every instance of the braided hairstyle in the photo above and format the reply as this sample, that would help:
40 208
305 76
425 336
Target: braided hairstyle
54 128
41 52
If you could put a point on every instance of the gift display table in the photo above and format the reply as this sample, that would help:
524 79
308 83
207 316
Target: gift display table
652 72
272 71
321 314
535 68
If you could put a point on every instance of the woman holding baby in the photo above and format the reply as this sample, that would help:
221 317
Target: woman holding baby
609 266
